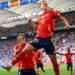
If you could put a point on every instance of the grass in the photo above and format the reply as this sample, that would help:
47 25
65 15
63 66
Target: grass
48 69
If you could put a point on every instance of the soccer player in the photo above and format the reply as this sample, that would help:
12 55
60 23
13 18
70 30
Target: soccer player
38 57
26 63
45 28
68 59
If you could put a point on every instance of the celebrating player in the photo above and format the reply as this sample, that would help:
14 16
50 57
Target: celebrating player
68 59
26 63
43 39
38 57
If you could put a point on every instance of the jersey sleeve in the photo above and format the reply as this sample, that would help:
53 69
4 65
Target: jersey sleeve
15 49
33 53
56 14
72 53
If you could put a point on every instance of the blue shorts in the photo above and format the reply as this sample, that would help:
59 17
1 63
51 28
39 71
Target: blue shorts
39 65
69 65
45 43
27 72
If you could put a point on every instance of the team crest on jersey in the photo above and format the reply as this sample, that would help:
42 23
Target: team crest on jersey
47 14
42 21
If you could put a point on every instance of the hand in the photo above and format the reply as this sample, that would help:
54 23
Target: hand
8 68
67 27
29 20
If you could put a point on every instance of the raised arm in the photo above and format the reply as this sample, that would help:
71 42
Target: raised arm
32 24
67 26
60 17
19 49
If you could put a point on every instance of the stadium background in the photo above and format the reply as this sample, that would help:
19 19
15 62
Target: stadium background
13 18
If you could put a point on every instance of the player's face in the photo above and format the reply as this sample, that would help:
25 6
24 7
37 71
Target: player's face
44 6
21 37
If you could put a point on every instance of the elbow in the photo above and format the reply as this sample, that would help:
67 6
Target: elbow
62 18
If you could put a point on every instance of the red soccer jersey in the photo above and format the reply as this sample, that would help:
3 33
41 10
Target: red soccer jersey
28 60
68 57
38 55
46 23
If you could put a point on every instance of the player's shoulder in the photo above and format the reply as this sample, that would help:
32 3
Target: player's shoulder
51 11
71 53
16 46
48 11
33 53
38 52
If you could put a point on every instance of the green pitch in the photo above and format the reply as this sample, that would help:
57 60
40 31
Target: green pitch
48 69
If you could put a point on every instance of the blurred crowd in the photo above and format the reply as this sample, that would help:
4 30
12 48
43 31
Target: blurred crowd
16 29
61 41
6 50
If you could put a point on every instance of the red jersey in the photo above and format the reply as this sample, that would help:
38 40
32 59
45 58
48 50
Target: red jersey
68 57
46 23
28 60
38 55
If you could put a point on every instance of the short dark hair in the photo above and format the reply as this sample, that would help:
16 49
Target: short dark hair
18 33
41 2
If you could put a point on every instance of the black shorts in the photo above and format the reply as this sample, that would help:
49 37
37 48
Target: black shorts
69 65
45 43
39 65
27 72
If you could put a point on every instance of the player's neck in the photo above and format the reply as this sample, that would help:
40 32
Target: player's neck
44 10
19 42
